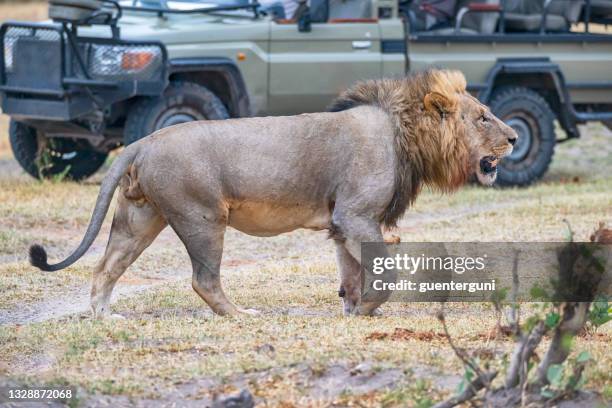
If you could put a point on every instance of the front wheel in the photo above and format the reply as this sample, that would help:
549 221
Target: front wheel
528 113
44 157
181 102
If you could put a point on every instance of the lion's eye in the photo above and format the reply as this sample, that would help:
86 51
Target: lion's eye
484 119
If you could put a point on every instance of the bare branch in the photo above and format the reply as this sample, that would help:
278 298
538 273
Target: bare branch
461 354
524 349
533 340
470 391
574 317
513 315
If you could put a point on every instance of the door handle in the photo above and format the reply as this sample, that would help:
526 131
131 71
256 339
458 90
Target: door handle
362 45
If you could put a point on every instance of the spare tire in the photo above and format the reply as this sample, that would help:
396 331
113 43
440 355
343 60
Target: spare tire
73 10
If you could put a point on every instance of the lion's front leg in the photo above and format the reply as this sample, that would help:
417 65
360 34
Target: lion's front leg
350 232
350 278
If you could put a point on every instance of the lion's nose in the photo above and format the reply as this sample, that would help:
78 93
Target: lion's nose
512 139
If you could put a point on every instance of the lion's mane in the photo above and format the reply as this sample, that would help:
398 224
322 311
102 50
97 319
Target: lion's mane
430 141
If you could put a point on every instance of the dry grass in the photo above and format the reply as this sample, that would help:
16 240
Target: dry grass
23 10
171 345
5 148
20 11
171 342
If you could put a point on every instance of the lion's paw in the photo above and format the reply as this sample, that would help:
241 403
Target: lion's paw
367 311
250 312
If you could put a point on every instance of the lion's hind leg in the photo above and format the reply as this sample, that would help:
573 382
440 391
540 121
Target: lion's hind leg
135 225
203 239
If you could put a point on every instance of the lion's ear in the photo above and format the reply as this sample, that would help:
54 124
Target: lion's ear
436 102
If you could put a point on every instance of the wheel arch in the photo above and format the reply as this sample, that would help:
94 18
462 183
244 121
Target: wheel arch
542 76
220 75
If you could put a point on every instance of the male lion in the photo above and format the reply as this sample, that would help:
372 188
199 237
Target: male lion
350 171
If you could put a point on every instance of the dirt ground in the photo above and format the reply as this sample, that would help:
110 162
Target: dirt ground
171 351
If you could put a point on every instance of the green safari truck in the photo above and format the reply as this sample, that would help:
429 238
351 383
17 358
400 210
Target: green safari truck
104 73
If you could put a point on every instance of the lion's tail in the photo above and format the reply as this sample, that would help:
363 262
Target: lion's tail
38 255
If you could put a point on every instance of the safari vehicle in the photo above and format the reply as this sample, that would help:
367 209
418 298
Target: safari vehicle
103 73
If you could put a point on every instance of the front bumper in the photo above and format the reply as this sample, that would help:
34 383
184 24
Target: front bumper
47 72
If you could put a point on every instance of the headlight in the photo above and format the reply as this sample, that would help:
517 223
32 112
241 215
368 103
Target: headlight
8 54
118 60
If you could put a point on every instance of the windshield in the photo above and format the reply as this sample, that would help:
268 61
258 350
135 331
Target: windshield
183 4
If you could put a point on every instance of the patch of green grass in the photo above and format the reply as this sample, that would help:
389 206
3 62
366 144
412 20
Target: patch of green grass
417 395
10 240
607 392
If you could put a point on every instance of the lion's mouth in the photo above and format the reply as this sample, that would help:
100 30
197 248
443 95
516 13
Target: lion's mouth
488 164
487 170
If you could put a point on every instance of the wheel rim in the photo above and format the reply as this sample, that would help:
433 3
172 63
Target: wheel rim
177 115
73 156
176 119
61 150
525 138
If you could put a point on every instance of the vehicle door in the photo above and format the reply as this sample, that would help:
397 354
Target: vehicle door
308 69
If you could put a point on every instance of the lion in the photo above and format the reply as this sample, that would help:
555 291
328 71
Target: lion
351 171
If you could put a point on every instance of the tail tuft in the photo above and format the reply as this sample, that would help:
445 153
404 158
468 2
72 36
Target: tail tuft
38 257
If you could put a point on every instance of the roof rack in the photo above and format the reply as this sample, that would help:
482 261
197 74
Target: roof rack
254 6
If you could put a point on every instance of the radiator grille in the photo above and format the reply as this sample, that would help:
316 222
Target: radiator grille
13 34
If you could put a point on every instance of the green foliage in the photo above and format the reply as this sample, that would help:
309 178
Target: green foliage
538 293
607 392
530 323
60 177
583 357
44 161
468 376
499 296
565 377
554 375
421 399
566 341
600 313
552 319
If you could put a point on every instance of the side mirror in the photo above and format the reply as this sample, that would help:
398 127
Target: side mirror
304 21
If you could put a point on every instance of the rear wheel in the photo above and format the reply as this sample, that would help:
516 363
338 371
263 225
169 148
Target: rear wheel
44 157
181 102
530 116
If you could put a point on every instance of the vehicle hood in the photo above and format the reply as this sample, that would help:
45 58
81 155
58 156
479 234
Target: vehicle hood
181 29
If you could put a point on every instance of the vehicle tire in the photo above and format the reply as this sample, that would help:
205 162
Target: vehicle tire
72 157
181 102
528 113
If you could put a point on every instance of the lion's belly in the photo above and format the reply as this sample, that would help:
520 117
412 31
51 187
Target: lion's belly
264 220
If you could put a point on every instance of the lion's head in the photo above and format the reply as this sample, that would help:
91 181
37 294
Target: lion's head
473 138
443 134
